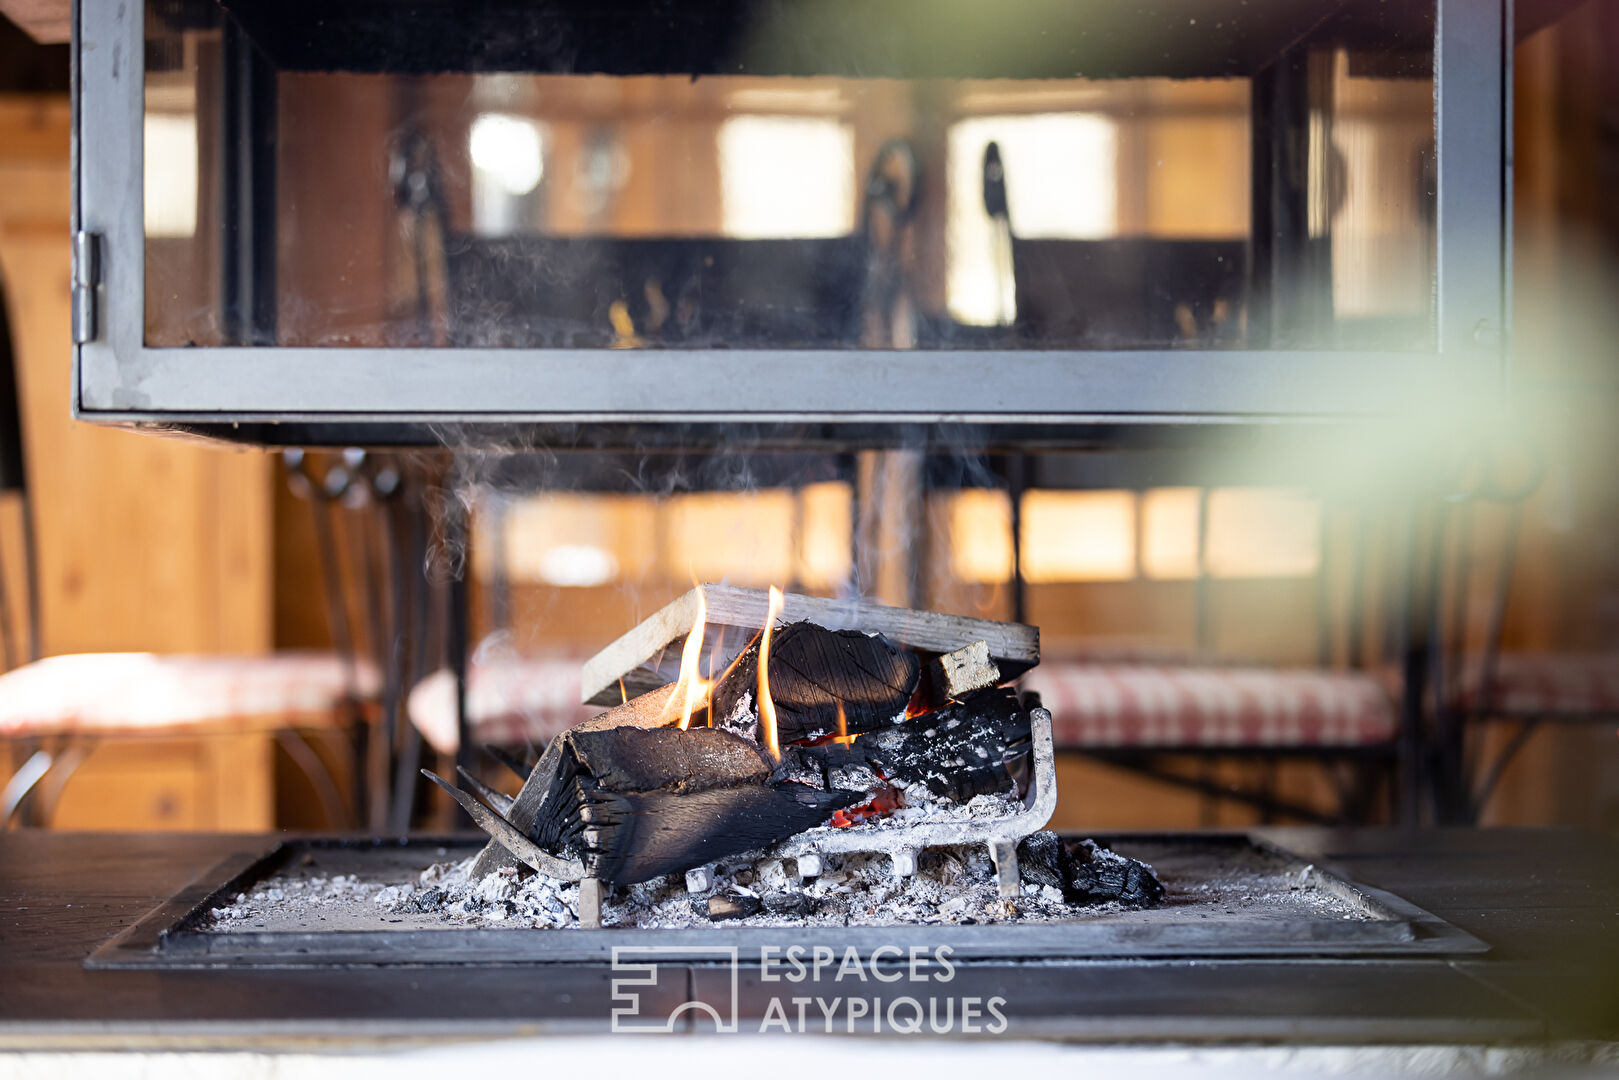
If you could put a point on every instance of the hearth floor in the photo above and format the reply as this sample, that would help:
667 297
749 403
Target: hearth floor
415 889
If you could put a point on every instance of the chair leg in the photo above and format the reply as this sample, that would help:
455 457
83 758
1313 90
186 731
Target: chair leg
69 757
309 763
22 782
1498 768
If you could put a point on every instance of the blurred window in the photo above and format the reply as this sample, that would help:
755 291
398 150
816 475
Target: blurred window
1075 536
825 551
508 163
981 536
773 536
1169 524
170 174
1060 182
1262 532
1079 536
787 176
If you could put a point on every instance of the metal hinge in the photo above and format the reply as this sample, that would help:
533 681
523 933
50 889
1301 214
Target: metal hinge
86 286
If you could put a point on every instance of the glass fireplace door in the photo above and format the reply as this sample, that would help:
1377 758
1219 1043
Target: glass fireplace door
1031 212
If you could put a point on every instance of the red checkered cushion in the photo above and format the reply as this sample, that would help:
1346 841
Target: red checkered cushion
1545 684
143 693
1150 706
511 701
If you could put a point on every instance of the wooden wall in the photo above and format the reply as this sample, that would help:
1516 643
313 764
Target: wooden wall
144 543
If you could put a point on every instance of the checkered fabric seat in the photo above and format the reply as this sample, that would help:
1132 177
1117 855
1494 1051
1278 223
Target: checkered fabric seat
511 701
105 694
1143 706
1544 684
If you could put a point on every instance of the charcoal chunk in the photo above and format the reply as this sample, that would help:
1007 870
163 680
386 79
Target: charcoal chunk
1094 875
1039 859
968 748
426 902
732 906
789 903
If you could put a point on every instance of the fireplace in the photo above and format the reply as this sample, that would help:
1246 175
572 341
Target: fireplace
872 787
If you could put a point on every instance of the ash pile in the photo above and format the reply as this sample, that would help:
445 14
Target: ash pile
952 886
829 758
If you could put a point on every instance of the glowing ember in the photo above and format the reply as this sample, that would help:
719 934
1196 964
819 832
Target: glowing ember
883 803
767 707
692 683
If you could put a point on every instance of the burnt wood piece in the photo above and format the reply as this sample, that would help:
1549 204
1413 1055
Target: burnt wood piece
506 835
1093 875
634 804
630 759
649 655
953 676
651 710
730 906
813 671
1039 859
964 749
638 836
973 747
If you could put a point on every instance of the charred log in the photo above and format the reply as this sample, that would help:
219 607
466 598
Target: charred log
638 836
973 747
649 655
634 804
1087 872
1092 875
812 671
968 748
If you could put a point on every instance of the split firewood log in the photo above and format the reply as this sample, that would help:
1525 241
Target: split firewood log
813 673
635 804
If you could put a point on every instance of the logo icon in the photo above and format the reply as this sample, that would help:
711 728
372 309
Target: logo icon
651 992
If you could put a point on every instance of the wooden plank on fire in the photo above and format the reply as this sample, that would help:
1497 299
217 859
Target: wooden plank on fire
649 655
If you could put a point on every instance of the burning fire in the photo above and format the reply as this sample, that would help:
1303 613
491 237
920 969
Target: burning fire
767 707
692 687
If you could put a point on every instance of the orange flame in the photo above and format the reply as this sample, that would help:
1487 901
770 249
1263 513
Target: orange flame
623 694
767 707
691 682
843 727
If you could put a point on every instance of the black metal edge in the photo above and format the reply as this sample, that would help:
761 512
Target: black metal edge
145 938
160 941
1446 936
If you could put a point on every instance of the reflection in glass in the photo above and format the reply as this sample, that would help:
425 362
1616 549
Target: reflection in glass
761 191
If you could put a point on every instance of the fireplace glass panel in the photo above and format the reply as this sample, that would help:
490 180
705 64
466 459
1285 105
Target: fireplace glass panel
1031 176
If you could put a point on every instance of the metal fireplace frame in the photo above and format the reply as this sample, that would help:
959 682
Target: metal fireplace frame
378 395
166 938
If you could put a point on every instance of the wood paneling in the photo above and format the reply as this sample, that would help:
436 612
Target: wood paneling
221 783
144 543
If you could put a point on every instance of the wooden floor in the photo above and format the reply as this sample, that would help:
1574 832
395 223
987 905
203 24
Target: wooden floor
1546 901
